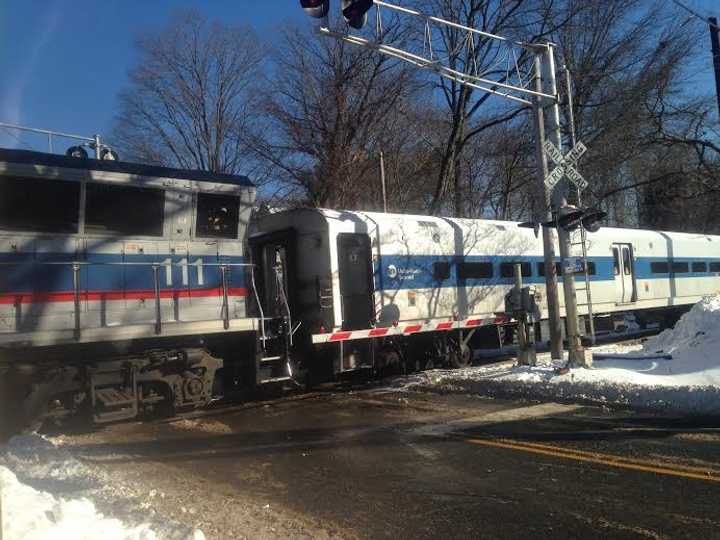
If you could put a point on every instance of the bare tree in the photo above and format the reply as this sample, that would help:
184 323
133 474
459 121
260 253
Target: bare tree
331 108
191 99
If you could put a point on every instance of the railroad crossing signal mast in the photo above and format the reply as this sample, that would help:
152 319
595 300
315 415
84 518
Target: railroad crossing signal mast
524 73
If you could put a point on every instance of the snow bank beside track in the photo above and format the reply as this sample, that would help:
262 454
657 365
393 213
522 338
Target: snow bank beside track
676 371
48 494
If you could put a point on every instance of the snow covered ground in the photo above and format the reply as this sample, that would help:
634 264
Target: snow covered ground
48 494
678 371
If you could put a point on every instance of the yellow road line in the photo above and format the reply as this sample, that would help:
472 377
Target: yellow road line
598 458
624 459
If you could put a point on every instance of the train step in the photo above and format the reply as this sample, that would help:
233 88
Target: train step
112 405
270 359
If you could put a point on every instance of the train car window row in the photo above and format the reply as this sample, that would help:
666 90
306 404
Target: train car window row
39 205
475 270
507 270
53 206
124 210
683 267
592 269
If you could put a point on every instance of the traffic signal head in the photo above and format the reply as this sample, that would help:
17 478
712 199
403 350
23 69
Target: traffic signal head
571 217
316 8
591 220
355 12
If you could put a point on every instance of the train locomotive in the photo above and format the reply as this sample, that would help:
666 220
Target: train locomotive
124 288
129 288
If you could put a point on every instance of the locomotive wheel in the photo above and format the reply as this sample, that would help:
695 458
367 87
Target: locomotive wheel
460 355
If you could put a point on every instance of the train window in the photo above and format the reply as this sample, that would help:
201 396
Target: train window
616 261
475 270
591 268
679 267
441 270
218 215
124 210
699 267
507 270
541 269
715 266
627 264
659 267
38 204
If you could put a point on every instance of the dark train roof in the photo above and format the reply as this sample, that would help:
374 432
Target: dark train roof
55 160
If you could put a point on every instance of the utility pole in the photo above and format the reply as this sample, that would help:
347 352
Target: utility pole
544 214
715 42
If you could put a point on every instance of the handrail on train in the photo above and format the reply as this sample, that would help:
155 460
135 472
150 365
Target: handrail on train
155 266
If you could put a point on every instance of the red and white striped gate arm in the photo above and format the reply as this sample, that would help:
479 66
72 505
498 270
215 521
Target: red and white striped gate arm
407 329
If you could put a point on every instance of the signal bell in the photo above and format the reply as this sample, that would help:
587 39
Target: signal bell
316 8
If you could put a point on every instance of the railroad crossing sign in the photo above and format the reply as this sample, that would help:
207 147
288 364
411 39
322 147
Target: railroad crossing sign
565 165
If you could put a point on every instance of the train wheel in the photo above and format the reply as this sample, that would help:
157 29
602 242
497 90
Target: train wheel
459 355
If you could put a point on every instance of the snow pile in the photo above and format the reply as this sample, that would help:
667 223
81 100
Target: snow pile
638 376
28 513
46 494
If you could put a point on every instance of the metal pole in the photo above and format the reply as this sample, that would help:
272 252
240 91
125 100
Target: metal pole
521 329
576 352
715 43
542 214
158 311
225 308
583 233
382 181
76 298
96 139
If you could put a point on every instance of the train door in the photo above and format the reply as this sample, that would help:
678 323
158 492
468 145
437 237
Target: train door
624 270
274 256
356 280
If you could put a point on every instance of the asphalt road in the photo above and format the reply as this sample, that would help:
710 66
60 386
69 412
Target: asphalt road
381 464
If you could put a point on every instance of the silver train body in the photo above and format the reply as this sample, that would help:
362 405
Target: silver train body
123 286
363 276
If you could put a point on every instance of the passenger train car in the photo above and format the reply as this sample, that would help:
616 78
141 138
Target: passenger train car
368 285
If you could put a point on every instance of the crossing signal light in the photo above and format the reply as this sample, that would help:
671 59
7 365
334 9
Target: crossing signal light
571 218
591 220
355 12
316 8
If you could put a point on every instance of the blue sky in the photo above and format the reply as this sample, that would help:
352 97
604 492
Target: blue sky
63 63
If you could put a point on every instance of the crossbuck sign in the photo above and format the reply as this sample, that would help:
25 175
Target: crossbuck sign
565 165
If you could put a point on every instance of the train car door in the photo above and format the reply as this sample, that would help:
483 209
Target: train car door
356 282
274 255
624 269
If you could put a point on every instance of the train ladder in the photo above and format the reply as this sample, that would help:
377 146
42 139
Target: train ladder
585 284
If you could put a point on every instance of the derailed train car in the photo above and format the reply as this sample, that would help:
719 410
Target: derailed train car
375 289
125 287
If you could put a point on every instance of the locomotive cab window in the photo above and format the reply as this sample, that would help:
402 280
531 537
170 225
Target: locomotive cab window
218 215
475 270
39 205
124 210
507 270
441 270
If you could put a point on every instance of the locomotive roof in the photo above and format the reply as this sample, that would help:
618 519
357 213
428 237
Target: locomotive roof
30 157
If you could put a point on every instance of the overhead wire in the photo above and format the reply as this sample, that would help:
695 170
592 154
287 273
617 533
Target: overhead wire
694 13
